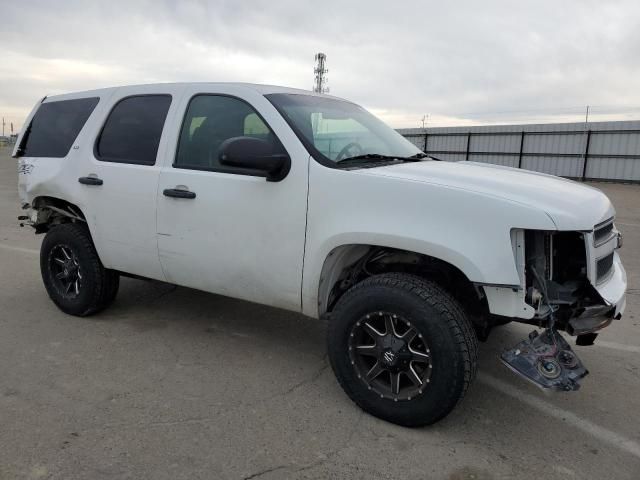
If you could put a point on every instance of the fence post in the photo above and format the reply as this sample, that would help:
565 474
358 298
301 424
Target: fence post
521 149
586 156
466 157
426 140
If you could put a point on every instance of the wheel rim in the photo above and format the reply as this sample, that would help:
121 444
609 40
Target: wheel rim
65 271
390 356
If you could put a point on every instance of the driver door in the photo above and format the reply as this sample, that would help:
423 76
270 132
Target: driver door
234 234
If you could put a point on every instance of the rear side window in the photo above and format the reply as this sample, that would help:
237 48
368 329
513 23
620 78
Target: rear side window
55 126
133 129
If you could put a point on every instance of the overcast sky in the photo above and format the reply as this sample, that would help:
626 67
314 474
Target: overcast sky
473 62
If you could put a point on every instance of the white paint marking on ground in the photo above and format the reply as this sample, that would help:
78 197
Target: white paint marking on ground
605 435
618 346
19 249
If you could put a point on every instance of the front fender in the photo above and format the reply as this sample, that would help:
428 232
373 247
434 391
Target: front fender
315 265
467 229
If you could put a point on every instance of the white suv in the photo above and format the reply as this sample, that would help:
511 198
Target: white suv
309 203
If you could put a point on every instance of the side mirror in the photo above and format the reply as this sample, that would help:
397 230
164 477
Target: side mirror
255 154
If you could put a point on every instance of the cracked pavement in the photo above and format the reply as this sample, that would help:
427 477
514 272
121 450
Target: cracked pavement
172 383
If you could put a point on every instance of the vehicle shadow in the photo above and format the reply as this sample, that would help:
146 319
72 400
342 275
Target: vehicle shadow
190 314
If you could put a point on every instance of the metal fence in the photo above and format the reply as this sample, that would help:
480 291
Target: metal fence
607 151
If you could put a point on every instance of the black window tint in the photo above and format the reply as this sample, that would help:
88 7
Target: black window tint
55 127
133 129
212 119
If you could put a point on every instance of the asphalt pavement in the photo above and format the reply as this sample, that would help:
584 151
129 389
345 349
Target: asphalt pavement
173 383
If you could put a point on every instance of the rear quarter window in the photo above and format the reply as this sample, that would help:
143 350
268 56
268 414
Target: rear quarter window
132 131
55 126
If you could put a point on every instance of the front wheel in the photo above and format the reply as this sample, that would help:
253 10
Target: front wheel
72 272
402 348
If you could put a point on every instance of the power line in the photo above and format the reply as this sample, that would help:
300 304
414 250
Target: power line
604 109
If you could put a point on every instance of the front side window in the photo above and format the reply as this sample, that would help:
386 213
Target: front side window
337 130
55 126
212 119
133 129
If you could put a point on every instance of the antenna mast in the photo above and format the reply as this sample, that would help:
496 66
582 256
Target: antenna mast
320 84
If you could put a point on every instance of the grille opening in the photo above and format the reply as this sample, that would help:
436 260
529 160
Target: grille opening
604 266
558 256
569 257
560 261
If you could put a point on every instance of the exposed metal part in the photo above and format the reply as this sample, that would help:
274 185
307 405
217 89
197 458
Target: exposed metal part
70 214
44 213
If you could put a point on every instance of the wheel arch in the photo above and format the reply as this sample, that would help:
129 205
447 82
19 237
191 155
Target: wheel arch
349 264
48 211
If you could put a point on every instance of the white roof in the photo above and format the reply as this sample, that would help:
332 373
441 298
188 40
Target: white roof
262 89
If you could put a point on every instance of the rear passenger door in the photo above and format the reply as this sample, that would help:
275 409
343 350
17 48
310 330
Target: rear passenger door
121 179
233 232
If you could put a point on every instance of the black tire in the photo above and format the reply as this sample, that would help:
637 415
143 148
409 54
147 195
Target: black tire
112 279
448 339
96 286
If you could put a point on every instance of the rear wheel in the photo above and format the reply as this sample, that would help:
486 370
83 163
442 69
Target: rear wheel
72 272
402 348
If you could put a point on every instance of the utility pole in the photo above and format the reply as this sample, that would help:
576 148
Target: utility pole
320 84
587 140
586 117
425 121
3 124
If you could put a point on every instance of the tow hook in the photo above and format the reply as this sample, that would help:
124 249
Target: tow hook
547 360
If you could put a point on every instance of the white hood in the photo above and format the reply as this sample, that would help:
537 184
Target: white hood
571 205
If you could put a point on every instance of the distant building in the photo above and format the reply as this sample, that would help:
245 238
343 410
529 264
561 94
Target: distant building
8 140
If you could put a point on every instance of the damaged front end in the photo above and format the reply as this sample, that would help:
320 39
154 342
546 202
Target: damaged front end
575 283
558 282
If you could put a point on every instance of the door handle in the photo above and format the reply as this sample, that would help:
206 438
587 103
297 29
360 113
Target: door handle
90 181
178 193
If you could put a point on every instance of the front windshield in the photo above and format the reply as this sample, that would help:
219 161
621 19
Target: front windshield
338 130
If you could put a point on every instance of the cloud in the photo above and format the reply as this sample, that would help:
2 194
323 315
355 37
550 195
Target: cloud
470 62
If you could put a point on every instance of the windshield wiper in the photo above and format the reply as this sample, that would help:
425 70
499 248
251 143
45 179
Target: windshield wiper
422 155
376 157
